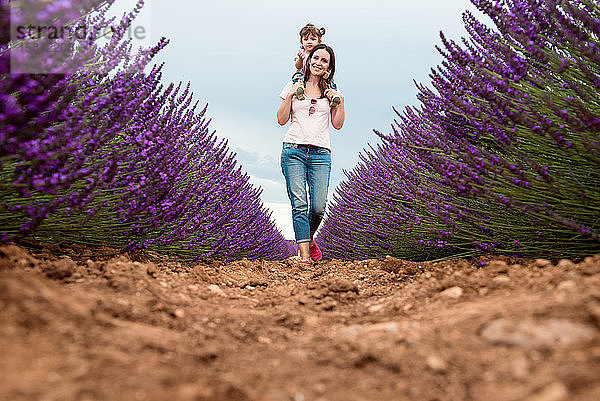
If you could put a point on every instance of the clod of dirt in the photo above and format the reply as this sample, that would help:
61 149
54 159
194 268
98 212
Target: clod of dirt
290 320
497 267
292 261
357 331
217 392
152 270
376 308
591 265
303 300
553 392
12 256
565 264
120 282
342 285
246 263
537 334
327 304
254 283
436 363
391 264
500 281
541 263
60 269
593 308
520 367
452 293
567 285
216 290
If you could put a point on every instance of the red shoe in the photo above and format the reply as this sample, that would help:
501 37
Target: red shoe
314 252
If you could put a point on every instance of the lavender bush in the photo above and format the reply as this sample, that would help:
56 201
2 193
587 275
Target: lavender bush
502 156
101 153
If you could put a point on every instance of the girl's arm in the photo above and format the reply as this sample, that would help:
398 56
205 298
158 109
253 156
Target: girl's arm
284 112
338 114
299 60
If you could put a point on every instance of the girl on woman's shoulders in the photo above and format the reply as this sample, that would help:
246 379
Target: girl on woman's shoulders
306 153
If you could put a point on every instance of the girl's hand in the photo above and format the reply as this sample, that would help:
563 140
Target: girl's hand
330 93
299 57
299 60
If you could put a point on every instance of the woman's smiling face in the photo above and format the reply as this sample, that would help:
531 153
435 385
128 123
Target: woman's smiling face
319 63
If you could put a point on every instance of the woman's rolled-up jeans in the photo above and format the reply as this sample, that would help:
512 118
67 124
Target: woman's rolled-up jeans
304 165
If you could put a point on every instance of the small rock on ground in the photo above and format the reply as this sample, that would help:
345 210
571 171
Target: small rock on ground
452 293
215 289
534 334
553 392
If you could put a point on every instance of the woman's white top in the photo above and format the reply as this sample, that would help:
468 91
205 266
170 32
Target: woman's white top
305 128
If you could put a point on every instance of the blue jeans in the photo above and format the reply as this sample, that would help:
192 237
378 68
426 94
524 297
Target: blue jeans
302 165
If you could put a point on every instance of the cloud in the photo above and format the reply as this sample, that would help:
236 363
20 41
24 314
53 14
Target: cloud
257 134
282 214
274 197
273 191
260 165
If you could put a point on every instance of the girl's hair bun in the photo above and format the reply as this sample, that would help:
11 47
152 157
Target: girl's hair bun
310 29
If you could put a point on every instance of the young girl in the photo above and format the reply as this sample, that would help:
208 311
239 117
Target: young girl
310 36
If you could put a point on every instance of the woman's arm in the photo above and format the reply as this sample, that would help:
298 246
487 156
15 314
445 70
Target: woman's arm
338 114
284 112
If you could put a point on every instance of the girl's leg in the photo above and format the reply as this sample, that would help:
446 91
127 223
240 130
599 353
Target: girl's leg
335 101
294 168
299 77
318 172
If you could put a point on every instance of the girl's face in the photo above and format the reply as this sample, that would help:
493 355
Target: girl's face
319 63
309 42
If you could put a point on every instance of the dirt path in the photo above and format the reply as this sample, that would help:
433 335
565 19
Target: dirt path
370 330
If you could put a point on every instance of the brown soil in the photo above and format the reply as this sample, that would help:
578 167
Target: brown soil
72 329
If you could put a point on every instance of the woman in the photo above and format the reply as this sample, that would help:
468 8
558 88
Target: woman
306 154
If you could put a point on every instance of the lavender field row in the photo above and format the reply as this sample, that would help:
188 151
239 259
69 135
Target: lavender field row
99 152
501 156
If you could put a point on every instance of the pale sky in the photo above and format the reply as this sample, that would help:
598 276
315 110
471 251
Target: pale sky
238 55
